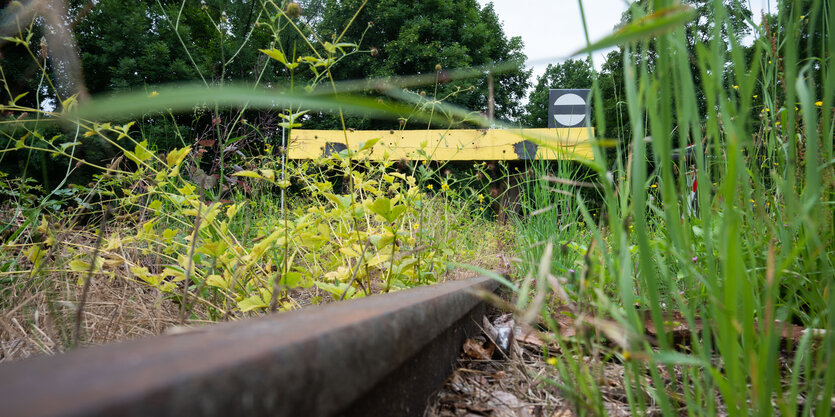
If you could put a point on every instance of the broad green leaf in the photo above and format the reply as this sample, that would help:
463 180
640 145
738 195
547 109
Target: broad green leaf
369 144
349 251
249 174
185 97
176 156
77 265
275 54
658 23
140 271
268 174
215 280
292 279
381 206
140 153
252 303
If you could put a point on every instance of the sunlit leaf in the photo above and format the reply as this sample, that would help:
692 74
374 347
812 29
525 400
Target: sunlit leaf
658 23
275 54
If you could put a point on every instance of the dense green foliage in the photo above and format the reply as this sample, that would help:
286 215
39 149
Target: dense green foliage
430 37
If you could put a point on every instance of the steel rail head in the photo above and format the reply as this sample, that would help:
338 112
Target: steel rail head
322 361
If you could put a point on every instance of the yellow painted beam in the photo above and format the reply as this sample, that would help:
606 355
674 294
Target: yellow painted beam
446 145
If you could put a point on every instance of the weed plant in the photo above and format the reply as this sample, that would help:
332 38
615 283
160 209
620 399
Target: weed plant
219 228
718 302
736 264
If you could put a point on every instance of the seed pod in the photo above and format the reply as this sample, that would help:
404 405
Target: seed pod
293 10
374 51
438 67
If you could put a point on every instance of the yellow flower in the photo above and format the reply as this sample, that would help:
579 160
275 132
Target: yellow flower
756 95
736 87
445 187
417 226
819 103
481 198
654 185
551 361
429 187
153 94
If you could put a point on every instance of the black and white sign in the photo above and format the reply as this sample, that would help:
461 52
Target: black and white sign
568 108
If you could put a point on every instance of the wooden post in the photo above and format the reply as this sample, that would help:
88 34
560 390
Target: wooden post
491 103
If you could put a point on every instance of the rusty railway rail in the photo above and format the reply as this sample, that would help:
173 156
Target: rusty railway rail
378 356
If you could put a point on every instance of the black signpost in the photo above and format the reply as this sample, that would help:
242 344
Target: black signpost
568 108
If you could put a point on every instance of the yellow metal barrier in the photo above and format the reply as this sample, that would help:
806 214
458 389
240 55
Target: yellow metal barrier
447 145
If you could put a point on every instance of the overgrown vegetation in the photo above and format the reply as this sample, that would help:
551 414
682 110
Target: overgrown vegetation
714 295
685 252
226 226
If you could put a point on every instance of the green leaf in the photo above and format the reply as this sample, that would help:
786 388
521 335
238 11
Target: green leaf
369 144
176 156
292 279
252 303
342 201
275 54
19 96
381 206
13 40
268 174
67 145
249 174
78 265
660 22
676 358
140 153
215 280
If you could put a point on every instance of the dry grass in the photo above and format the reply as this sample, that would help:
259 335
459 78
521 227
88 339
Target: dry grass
38 317
43 320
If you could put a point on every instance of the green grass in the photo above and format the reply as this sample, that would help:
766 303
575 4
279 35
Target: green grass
756 254
624 252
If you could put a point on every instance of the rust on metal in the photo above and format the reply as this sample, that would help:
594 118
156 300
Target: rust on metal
374 356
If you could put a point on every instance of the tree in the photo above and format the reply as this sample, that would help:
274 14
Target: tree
573 73
413 37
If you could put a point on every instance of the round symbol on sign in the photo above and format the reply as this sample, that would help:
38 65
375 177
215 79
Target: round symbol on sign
566 109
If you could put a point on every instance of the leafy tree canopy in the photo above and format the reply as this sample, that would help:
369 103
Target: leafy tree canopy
413 37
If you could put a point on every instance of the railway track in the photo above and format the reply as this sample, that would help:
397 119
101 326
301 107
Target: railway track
379 356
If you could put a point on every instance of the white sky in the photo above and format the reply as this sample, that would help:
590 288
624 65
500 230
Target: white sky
552 29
